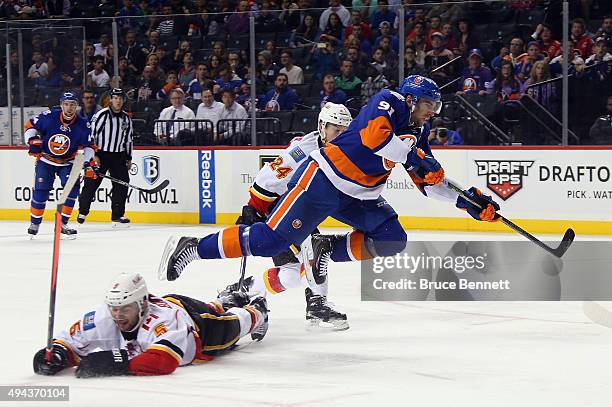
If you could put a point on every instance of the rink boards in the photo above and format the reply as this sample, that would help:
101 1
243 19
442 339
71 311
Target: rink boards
545 190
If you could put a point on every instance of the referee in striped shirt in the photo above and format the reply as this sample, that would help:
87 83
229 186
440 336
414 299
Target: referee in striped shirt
112 132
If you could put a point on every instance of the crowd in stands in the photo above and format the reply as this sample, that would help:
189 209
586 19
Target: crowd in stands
184 59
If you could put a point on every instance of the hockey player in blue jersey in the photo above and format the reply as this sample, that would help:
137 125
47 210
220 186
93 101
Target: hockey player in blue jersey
54 137
344 179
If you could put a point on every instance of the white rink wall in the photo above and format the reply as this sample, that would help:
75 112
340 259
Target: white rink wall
545 190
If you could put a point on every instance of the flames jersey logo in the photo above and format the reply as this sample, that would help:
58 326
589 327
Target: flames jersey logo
59 144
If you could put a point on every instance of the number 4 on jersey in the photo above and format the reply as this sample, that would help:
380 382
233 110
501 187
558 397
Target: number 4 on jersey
276 166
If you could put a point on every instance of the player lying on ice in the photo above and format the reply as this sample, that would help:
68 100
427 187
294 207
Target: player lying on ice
270 184
344 179
137 333
54 137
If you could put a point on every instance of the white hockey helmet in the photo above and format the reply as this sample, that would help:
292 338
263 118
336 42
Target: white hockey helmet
335 114
128 288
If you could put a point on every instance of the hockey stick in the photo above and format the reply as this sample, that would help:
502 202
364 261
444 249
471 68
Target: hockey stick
73 178
154 190
567 240
243 262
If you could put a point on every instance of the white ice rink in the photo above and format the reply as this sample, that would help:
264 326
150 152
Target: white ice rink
394 354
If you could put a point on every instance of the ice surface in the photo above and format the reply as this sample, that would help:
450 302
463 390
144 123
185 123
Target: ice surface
405 353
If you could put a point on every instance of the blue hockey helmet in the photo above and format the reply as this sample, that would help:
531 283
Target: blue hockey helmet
68 96
421 87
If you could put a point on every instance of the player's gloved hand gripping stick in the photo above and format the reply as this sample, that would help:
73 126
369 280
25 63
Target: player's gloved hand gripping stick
471 197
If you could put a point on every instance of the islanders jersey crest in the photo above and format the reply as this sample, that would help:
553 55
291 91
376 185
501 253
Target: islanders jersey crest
58 144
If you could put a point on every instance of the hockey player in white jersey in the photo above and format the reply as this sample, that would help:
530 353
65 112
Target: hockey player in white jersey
270 184
136 333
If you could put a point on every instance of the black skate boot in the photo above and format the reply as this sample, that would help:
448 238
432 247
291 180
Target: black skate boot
81 218
231 299
321 314
68 232
33 230
178 253
121 222
260 304
322 247
247 283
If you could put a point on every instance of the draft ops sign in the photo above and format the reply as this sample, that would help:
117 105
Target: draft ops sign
504 178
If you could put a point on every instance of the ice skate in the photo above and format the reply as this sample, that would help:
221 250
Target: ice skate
319 248
321 314
247 283
81 218
33 230
121 223
261 305
178 253
68 232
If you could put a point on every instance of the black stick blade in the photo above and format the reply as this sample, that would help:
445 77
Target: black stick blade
158 188
566 242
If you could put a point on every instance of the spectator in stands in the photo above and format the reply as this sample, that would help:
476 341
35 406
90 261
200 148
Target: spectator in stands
7 10
166 63
555 65
304 6
449 37
356 39
228 79
294 73
266 70
347 81
603 71
324 60
448 11
466 39
267 21
238 23
288 16
435 25
133 52
220 51
166 26
383 13
171 84
187 72
235 62
330 93
209 109
411 66
98 78
281 97
153 61
179 53
58 8
200 83
601 130
516 53
128 79
378 60
274 52
359 60
523 69
38 70
581 40
475 75
107 8
335 7
244 96
505 85
148 85
437 57
74 78
89 107
214 62
545 94
375 82
305 35
549 47
389 54
152 42
169 132
231 111
131 10
440 135
53 78
385 30
605 31
333 30
101 48
89 55
357 20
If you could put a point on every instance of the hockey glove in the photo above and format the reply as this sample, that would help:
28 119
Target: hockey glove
106 363
92 171
249 216
488 206
59 360
425 167
35 146
236 299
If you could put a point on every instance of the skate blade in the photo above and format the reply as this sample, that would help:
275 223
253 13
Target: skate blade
318 325
306 253
67 237
118 225
162 270
31 236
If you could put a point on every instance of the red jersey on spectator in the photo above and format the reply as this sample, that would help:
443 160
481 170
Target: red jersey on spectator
551 48
585 45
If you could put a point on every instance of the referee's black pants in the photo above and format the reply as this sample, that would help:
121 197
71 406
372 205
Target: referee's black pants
116 164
